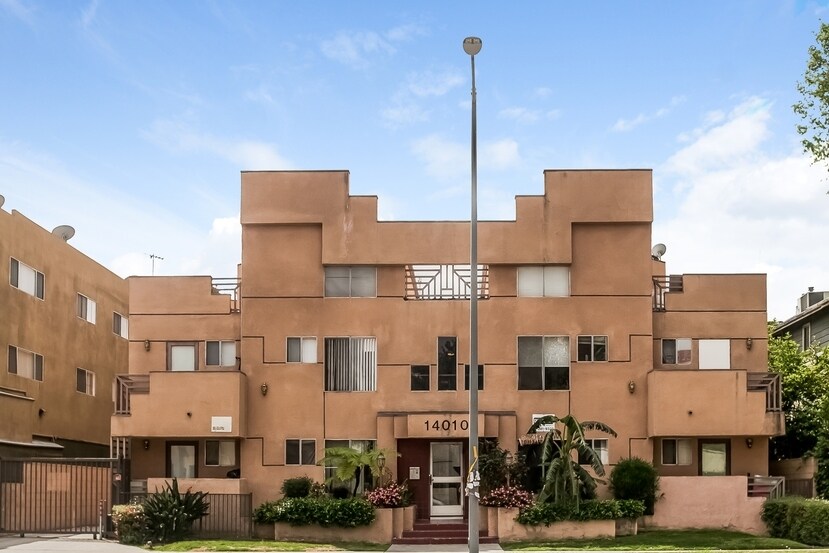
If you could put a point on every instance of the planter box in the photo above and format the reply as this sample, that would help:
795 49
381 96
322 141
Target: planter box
510 530
627 527
379 531
263 531
409 517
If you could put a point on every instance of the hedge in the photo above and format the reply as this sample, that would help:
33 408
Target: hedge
303 511
798 519
594 509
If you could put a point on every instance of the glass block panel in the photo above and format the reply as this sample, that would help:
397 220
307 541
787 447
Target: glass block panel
556 351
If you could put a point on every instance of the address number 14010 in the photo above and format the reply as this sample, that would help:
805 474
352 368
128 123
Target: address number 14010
446 425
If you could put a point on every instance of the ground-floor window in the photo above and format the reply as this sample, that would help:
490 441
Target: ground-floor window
714 458
219 453
181 459
600 447
300 452
676 451
364 480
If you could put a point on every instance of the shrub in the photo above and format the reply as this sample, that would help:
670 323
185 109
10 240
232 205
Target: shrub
607 509
390 495
297 487
318 489
302 511
340 492
130 523
508 496
170 515
635 478
798 519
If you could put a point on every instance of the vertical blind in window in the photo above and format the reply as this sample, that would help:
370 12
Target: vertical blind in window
350 364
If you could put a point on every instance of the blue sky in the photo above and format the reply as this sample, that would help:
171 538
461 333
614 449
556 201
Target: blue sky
131 121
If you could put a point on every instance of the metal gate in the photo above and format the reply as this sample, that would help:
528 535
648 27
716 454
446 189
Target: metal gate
58 495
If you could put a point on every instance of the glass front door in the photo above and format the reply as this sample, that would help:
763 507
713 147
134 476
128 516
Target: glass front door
447 479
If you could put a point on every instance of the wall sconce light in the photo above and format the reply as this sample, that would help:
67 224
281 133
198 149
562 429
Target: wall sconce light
631 386
381 461
749 442
146 444
41 412
749 343
264 388
146 345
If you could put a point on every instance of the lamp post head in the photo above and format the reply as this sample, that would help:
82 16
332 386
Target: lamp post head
472 45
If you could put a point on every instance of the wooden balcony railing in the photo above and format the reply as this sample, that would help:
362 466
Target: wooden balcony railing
663 285
771 487
770 384
231 287
125 386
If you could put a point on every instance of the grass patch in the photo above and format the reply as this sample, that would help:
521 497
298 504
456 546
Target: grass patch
652 540
267 545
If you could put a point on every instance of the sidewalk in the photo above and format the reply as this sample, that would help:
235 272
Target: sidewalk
52 543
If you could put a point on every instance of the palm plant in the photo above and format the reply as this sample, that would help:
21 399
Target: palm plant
563 478
351 463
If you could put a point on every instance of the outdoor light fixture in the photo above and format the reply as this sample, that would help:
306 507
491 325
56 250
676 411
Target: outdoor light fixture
631 386
749 442
264 388
472 45
381 462
749 343
146 444
146 345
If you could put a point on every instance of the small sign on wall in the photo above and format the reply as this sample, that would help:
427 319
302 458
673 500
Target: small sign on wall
221 424
414 473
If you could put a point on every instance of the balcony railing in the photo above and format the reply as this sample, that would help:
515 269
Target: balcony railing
771 487
229 287
663 285
444 282
770 384
125 386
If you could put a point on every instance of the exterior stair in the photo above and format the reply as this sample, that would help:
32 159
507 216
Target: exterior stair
437 533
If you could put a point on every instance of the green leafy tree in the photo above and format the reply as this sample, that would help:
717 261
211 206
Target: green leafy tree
813 107
351 463
564 479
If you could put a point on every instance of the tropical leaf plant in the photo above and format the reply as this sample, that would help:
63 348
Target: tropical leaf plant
170 515
351 463
564 480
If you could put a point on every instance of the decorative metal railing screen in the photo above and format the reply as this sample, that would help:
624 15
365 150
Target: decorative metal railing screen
663 285
351 364
444 282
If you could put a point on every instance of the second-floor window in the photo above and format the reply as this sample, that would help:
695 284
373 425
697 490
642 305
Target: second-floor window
543 362
351 364
447 363
221 353
420 378
676 351
181 356
85 381
120 325
24 278
350 282
599 445
25 363
544 281
592 348
676 451
86 309
300 452
715 354
302 349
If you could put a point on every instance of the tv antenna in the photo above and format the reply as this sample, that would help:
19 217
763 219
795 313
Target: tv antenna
64 231
153 257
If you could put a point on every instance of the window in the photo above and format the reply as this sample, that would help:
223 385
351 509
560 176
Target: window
366 478
221 353
714 458
25 363
181 356
302 350
86 309
592 348
480 377
24 278
599 446
545 281
181 459
447 363
676 351
420 378
120 325
350 364
543 363
676 451
806 336
219 453
85 382
714 354
350 282
300 452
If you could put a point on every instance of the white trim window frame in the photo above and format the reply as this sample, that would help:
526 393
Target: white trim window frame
600 446
86 309
301 349
27 279
346 281
682 452
543 281
305 454
120 325
350 364
85 382
546 355
806 336
220 353
25 363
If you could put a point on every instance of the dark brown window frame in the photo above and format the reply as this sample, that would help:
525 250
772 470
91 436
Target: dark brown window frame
727 443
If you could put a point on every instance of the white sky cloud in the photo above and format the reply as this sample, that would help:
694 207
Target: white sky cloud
624 125
19 9
446 159
355 48
433 83
739 209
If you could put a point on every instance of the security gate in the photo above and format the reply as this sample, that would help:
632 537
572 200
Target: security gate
57 495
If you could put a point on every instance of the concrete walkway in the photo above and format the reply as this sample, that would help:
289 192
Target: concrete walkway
50 543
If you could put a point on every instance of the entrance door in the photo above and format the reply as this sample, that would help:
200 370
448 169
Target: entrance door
447 479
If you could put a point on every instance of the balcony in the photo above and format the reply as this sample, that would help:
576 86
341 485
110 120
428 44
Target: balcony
180 404
663 285
699 403
445 282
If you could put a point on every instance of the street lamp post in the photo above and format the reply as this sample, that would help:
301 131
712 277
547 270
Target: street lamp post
472 45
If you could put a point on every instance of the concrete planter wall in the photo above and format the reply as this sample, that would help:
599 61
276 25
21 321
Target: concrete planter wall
388 524
501 522
263 531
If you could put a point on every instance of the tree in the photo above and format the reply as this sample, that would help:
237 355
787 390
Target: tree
351 463
813 107
564 479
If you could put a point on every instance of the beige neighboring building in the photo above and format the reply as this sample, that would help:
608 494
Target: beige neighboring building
63 333
350 331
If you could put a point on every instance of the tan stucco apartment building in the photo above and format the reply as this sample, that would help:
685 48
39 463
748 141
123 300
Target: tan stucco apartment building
348 331
63 333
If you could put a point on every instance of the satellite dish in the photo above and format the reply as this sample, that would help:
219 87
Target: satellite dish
64 231
658 251
2 200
